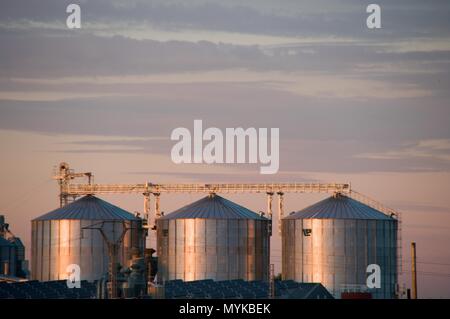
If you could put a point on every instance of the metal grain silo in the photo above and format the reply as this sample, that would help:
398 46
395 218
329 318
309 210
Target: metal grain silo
333 242
12 252
58 239
213 238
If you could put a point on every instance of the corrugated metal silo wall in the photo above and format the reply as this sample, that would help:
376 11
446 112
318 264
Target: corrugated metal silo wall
59 243
219 249
338 251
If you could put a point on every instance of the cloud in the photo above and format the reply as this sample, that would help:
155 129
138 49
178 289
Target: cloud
82 55
142 69
33 65
412 206
435 144
52 96
293 18
168 106
117 145
311 155
434 149
303 84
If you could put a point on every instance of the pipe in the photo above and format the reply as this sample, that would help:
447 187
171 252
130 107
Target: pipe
413 270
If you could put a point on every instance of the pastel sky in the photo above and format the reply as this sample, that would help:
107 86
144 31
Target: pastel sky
369 107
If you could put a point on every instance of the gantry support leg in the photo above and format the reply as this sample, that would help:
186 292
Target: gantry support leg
152 224
269 204
269 216
147 207
146 224
280 211
269 210
157 208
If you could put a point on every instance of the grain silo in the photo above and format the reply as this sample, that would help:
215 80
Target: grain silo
333 242
12 252
213 238
60 238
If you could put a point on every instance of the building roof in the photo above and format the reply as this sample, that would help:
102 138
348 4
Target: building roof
215 207
308 291
339 207
16 288
238 288
91 208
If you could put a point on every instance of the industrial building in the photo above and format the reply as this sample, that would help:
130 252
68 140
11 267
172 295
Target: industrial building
82 233
213 238
333 242
211 248
13 265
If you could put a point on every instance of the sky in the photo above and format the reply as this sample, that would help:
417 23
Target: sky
365 106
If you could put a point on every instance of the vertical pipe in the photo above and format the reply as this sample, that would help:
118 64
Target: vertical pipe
413 271
272 282
113 268
6 268
61 198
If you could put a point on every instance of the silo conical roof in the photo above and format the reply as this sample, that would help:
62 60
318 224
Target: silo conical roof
214 207
339 207
89 207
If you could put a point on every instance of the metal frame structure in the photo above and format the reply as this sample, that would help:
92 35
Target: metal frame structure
72 191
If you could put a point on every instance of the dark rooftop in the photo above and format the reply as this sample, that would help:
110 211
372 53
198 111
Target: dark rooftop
46 290
213 206
199 289
339 207
91 208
